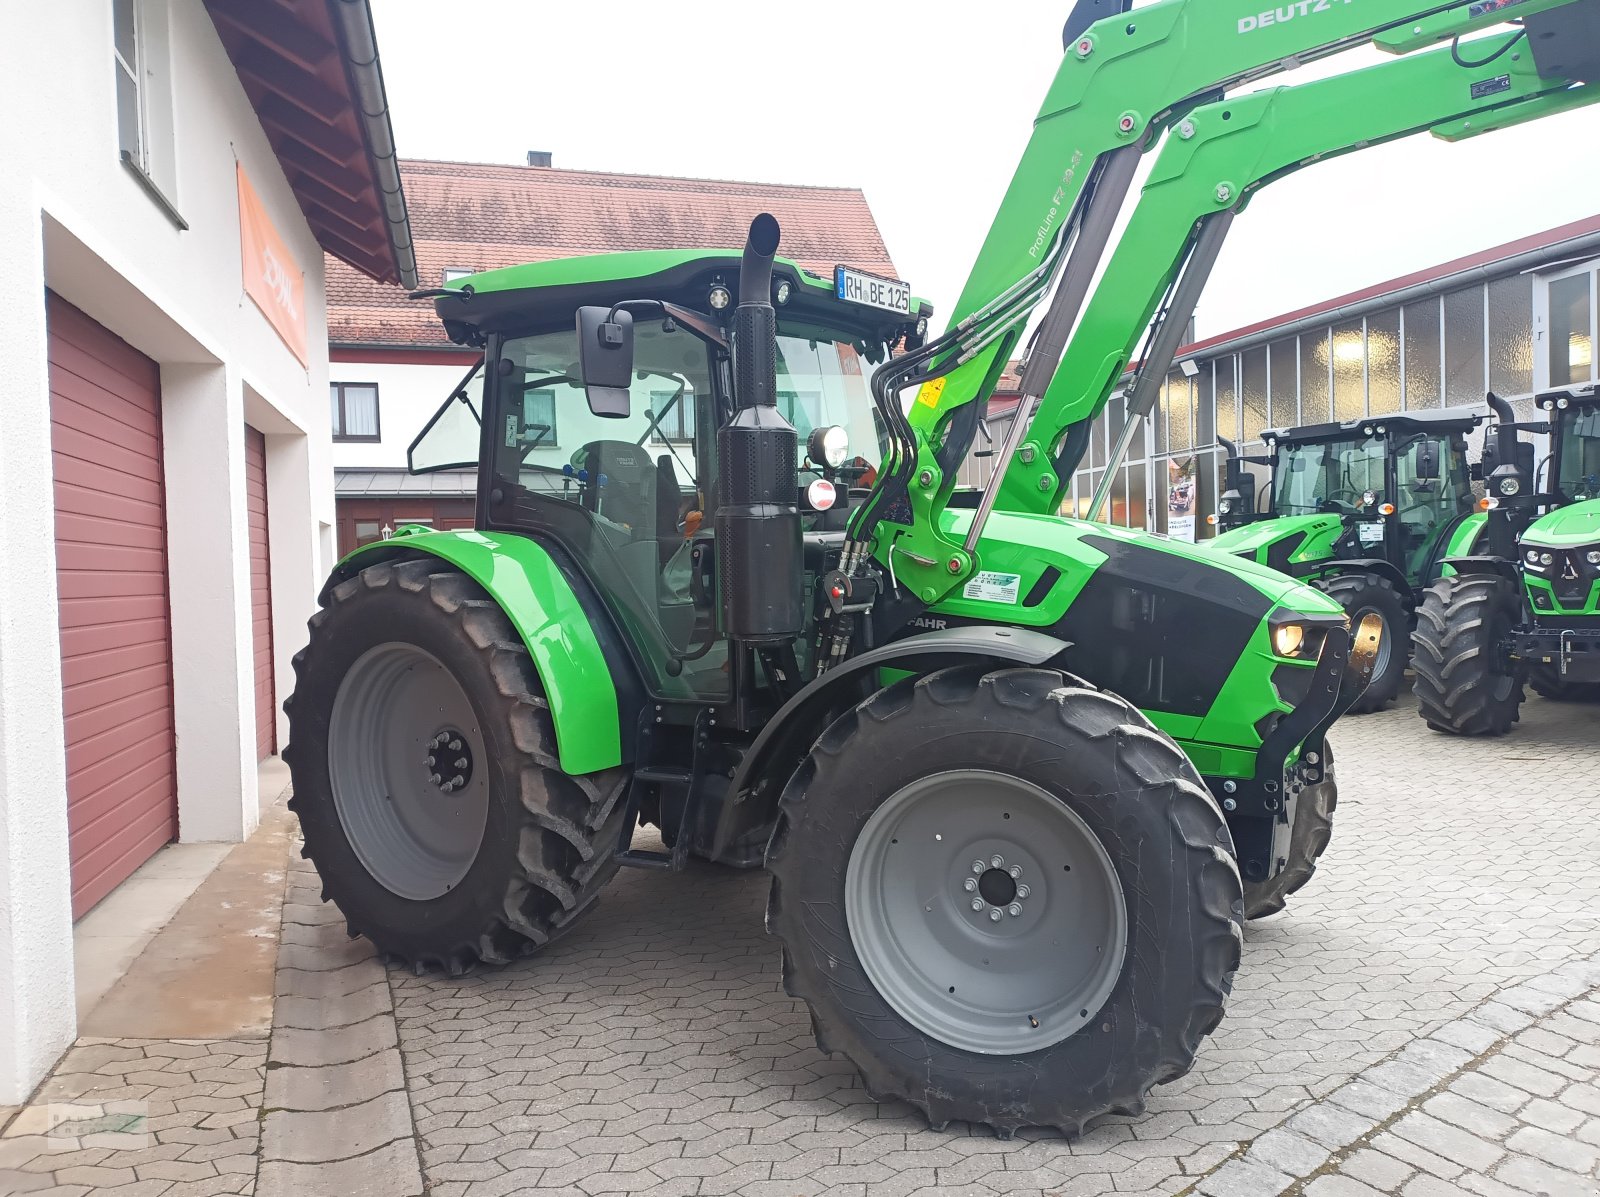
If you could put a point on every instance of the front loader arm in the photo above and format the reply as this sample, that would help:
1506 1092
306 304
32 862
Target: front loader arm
1121 83
1222 153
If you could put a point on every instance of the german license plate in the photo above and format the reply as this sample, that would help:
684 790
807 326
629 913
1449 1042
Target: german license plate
857 286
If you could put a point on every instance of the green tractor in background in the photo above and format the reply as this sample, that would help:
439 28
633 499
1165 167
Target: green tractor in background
1365 510
1521 597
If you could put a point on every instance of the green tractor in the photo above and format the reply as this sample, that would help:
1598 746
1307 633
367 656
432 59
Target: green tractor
977 855
1521 599
1017 779
1364 510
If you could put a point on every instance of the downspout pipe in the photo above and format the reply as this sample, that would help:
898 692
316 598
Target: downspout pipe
352 19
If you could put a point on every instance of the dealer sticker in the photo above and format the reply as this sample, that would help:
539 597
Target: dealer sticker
993 588
1370 533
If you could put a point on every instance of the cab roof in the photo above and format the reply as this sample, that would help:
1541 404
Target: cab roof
1447 419
538 296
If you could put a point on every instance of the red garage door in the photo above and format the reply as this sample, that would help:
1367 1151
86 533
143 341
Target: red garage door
111 571
255 491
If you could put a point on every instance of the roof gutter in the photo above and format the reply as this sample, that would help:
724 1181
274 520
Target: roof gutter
353 20
1555 254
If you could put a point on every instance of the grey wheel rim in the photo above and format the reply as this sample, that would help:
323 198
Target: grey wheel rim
414 816
1380 664
985 912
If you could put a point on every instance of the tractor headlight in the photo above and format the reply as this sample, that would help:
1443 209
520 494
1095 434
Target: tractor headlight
1509 486
1547 559
1287 639
1592 556
1225 507
1532 557
829 446
719 297
781 290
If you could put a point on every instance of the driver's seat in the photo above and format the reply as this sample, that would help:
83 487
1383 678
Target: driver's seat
621 490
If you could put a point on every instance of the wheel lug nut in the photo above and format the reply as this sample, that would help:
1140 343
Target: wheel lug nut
435 778
1014 909
970 884
977 903
461 762
994 915
978 866
996 861
455 745
1015 871
1022 891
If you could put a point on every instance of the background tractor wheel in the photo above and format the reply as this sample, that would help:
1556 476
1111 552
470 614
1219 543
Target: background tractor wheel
426 778
1308 839
1546 682
1361 594
1464 684
1006 897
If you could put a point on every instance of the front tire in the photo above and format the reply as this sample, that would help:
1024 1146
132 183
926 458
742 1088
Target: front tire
1361 594
1308 839
1465 685
1097 983
442 852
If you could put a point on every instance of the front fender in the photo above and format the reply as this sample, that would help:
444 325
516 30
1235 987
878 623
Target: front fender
543 604
785 739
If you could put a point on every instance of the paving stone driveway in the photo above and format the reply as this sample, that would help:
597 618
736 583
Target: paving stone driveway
1424 1020
655 1051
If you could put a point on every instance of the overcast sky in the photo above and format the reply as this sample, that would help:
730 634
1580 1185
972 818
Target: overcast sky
926 107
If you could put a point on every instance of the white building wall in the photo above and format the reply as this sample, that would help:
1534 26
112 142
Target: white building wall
73 219
408 394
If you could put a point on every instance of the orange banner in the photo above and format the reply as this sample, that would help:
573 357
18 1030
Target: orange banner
271 277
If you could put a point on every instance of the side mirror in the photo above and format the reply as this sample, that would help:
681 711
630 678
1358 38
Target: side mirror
605 360
1427 464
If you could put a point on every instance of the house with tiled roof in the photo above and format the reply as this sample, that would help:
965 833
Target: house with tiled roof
391 363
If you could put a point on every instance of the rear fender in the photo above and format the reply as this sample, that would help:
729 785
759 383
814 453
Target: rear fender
559 621
783 743
1496 566
1366 565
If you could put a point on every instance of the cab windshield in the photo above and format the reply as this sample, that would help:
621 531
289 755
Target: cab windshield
1580 453
822 382
1316 476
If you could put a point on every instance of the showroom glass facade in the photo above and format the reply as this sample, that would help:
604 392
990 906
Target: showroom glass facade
1513 333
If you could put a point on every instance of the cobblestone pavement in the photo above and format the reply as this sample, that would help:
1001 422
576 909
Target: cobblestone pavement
1423 1020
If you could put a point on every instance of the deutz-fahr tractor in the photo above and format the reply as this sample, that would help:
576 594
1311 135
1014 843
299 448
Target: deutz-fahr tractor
1005 769
1363 510
1521 601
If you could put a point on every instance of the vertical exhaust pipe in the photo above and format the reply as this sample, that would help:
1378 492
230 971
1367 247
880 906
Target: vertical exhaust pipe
760 555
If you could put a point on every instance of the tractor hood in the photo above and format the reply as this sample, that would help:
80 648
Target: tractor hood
1566 527
1250 540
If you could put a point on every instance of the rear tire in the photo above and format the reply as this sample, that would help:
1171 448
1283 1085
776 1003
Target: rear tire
1360 594
1546 682
1032 741
1464 686
1308 839
402 653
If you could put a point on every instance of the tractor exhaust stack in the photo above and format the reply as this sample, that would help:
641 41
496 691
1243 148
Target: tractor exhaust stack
759 548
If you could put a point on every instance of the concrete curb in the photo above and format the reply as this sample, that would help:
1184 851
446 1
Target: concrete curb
337 1120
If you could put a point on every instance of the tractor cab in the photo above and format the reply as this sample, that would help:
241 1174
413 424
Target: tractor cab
1387 489
627 486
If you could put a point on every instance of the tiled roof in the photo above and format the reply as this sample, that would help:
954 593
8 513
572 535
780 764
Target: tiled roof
477 217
